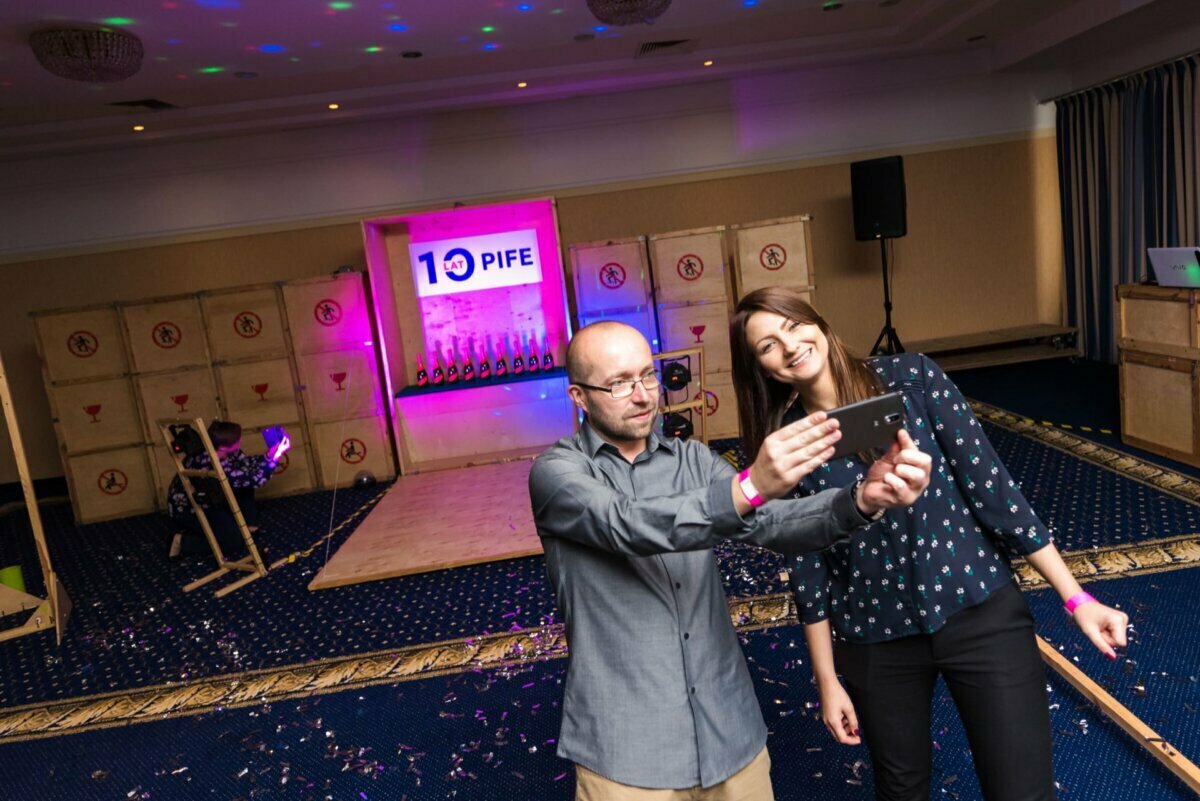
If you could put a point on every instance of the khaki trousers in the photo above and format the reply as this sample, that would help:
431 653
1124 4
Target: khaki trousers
751 783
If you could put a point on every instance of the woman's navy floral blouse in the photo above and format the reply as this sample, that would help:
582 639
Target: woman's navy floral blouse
910 571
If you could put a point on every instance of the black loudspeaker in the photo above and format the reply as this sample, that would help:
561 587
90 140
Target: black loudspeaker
877 188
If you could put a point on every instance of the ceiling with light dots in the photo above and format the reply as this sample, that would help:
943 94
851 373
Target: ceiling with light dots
213 66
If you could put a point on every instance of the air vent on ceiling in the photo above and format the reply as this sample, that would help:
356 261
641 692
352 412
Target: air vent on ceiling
666 47
151 103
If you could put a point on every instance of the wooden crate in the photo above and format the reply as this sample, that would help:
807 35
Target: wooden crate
772 253
165 334
1160 405
642 319
95 415
1160 320
187 393
610 275
110 484
721 406
81 343
341 383
699 325
343 448
689 266
258 393
244 324
327 313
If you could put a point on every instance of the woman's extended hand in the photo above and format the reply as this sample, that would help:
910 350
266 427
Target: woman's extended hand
897 478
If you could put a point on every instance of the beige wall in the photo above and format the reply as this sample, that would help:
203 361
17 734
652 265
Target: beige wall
983 251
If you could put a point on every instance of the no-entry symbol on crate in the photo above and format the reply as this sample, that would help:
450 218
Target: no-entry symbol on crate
690 267
282 465
247 324
711 404
772 257
83 344
112 481
612 276
353 451
166 335
328 311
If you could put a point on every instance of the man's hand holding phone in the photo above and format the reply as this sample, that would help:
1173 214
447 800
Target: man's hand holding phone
787 456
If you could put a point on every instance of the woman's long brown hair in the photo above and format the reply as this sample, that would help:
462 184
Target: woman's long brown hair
762 399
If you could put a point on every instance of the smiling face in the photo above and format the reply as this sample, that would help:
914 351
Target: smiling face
787 350
608 353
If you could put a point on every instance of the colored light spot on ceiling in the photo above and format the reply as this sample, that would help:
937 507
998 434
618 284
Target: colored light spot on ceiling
211 70
556 11
139 127
490 46
314 44
398 27
600 28
271 48
341 5
160 58
524 7
174 41
522 85
117 21
225 4
294 58
170 6
181 76
229 24
487 29
708 63
333 106
373 49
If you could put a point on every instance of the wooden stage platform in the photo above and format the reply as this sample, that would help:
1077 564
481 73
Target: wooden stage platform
432 521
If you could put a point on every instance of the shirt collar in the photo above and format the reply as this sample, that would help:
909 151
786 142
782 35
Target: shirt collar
593 442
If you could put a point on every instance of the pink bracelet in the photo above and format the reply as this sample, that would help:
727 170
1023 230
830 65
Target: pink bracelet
749 490
1077 600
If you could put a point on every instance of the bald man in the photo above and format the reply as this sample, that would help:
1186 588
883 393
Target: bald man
659 703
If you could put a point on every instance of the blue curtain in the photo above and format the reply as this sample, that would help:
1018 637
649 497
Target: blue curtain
1128 180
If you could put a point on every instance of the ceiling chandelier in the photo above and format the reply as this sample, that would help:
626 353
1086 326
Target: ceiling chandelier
95 55
627 12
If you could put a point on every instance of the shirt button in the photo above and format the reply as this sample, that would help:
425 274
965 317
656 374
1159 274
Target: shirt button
686 635
693 691
678 585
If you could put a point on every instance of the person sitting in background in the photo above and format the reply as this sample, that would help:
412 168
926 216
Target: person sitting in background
245 473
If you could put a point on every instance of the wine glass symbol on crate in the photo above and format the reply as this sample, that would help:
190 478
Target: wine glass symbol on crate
261 391
93 410
180 401
338 378
697 330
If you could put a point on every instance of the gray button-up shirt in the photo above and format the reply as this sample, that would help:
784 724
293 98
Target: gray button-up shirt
658 694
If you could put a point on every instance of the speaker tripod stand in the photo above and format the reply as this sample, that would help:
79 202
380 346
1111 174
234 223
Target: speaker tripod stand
888 341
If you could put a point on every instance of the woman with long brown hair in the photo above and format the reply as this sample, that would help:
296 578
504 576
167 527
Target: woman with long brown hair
922 591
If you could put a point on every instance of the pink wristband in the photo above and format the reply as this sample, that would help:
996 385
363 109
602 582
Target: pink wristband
749 490
1077 600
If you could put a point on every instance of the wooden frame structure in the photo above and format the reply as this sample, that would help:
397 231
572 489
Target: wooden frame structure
698 403
55 608
252 563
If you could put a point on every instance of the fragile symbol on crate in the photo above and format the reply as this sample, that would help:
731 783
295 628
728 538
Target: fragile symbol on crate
166 335
338 378
83 344
180 401
697 330
773 257
711 404
92 410
328 311
247 324
112 481
612 275
690 267
353 451
260 390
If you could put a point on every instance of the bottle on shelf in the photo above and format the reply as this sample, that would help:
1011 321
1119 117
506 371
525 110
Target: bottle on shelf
533 365
452 369
501 364
485 368
468 371
518 366
547 354
438 375
422 376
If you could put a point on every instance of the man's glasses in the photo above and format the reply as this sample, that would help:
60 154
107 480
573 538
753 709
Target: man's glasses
624 388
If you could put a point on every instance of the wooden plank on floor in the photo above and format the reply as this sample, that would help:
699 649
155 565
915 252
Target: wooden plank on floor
988 338
433 521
